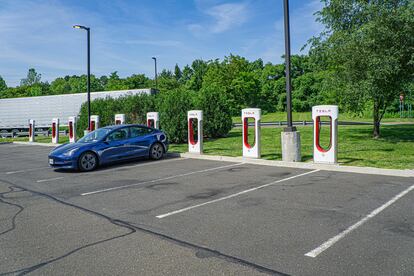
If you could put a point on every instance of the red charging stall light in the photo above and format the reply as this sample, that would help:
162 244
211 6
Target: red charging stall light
191 131
246 133
318 130
92 126
53 130
70 130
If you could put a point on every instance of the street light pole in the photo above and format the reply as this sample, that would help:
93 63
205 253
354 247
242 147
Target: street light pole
290 126
88 32
156 75
291 150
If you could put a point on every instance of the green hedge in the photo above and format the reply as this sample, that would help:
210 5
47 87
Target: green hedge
173 107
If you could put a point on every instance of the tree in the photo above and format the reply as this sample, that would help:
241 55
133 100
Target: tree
115 82
137 81
177 72
199 69
369 45
32 78
3 85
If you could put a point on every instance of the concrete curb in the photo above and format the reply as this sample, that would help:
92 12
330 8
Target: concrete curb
275 163
36 144
303 165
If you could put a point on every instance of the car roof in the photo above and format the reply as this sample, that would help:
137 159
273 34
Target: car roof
126 125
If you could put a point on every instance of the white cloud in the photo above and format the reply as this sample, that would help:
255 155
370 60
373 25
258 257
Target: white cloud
222 17
227 16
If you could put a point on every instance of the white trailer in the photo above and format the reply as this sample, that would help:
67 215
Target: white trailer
15 113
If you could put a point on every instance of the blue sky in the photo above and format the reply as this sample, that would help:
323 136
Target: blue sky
126 34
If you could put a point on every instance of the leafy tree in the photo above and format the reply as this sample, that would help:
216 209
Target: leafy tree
177 72
199 69
3 85
137 81
32 78
167 81
370 46
115 82
186 74
60 86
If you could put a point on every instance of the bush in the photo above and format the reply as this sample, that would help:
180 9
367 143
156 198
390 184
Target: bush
217 121
173 107
134 107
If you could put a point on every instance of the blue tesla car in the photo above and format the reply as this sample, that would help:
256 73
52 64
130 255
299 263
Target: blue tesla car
108 145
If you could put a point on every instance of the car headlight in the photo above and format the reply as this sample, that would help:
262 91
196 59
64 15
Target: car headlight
69 153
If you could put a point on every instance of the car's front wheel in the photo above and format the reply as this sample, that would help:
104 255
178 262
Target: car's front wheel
88 161
156 151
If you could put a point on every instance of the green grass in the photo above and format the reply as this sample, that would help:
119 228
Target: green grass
356 147
307 116
40 139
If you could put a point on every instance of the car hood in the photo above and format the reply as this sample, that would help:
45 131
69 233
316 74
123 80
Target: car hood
70 146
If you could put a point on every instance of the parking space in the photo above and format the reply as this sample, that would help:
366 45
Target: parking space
237 218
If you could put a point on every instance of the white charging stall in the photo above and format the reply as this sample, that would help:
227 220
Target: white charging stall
195 140
251 149
327 154
55 130
153 119
72 129
94 122
119 119
32 131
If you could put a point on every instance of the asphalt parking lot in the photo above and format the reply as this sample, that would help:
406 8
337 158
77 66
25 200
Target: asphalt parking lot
182 216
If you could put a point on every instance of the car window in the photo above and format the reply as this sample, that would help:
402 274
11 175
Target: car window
94 135
117 135
139 131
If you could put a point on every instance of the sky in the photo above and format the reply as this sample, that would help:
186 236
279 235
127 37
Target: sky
125 34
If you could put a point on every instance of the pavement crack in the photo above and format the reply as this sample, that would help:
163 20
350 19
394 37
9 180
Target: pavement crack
14 217
26 270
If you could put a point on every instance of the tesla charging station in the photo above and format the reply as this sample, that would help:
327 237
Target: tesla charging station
94 122
251 150
328 154
153 119
119 119
55 130
32 131
72 129
195 118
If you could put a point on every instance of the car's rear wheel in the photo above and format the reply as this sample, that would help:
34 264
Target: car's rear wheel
88 161
156 151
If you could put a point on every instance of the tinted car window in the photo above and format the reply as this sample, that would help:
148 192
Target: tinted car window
117 135
139 131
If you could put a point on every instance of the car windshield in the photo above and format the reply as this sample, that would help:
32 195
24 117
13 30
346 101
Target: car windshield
94 135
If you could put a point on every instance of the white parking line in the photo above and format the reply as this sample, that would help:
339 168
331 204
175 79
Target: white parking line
138 165
160 179
50 179
234 195
315 252
28 170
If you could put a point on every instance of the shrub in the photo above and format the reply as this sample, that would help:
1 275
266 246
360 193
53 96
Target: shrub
217 121
173 107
